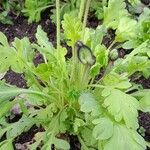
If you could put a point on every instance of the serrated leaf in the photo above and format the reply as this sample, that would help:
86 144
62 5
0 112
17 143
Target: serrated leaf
86 134
122 106
72 29
111 18
116 81
22 125
34 8
77 124
103 130
127 29
16 56
88 103
42 39
125 139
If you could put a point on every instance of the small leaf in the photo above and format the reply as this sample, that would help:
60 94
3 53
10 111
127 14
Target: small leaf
61 144
42 38
145 102
6 144
72 28
103 130
116 81
88 103
3 40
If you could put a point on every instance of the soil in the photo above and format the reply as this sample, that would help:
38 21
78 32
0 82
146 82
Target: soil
20 29
15 79
144 82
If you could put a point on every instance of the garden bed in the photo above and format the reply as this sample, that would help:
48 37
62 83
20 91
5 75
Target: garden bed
21 29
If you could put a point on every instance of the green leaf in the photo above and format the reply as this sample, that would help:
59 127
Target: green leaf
97 36
61 144
127 29
101 54
43 41
5 107
8 56
72 29
77 124
43 71
139 50
116 81
24 124
16 56
6 144
7 92
47 113
34 8
111 18
124 139
24 55
139 63
86 133
122 106
88 103
103 130
3 40
145 102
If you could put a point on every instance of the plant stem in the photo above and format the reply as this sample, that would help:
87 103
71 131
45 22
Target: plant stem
83 143
85 75
111 45
86 13
58 22
81 11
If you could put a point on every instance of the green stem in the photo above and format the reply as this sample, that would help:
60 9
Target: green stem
58 22
86 13
85 75
111 45
81 11
83 143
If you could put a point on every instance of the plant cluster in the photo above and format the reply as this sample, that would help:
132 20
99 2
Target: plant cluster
64 96
33 8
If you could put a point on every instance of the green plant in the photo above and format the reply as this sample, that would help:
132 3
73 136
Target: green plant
6 6
69 100
33 8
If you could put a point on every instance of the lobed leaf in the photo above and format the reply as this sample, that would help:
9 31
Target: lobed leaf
122 106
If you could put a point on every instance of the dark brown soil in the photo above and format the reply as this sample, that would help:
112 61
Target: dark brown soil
109 38
144 82
146 2
92 22
26 138
20 29
15 79
144 121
